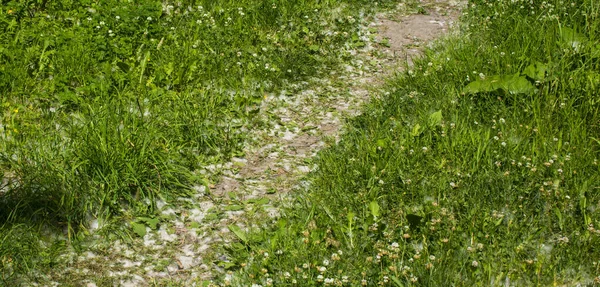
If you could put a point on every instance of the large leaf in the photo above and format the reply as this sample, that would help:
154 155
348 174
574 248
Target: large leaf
514 84
572 38
374 208
151 222
435 119
238 232
536 71
139 228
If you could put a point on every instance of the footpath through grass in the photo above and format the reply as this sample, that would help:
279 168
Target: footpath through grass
479 168
108 106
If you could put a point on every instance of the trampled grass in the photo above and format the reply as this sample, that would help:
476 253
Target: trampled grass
107 106
478 168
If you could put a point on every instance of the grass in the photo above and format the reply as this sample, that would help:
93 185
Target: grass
479 167
109 106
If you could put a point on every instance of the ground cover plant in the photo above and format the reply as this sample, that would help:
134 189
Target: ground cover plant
108 106
478 168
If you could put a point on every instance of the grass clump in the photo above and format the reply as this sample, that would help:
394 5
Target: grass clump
107 106
480 167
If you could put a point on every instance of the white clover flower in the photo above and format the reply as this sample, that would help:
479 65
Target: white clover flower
326 263
149 18
322 269
117 17
395 245
475 263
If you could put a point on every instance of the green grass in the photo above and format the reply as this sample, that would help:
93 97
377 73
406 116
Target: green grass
107 106
478 168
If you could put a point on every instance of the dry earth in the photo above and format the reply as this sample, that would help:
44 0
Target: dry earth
289 130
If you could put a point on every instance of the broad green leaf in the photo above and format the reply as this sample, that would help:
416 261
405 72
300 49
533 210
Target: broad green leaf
139 228
516 84
416 131
151 222
435 119
238 232
374 208
536 71
481 86
572 38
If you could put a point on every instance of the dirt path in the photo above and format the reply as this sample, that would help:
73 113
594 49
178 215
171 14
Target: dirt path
289 130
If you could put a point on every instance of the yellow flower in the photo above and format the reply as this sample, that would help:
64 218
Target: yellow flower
10 11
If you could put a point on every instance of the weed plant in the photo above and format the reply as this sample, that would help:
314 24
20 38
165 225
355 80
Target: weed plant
106 106
478 168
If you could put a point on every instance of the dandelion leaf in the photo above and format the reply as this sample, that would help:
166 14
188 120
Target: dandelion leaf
374 208
516 84
139 228
238 232
572 38
416 131
435 119
536 71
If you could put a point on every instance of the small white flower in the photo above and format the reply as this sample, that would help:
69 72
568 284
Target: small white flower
326 263
475 263
424 149
149 18
117 17
322 269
